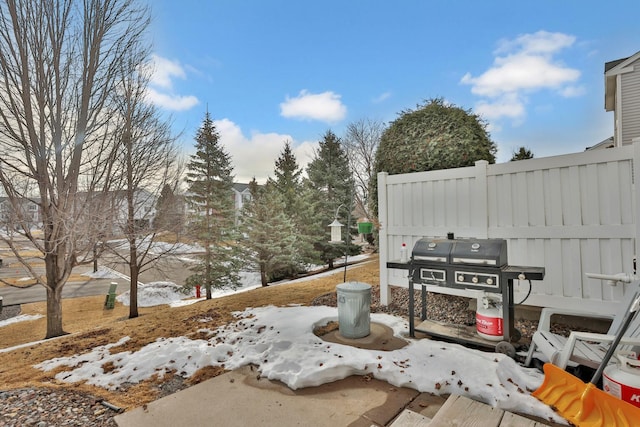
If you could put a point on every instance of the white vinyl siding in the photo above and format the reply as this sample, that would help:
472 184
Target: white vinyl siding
630 104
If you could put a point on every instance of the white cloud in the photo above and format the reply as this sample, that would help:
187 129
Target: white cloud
520 72
160 91
255 155
325 106
523 66
509 105
171 102
573 91
164 70
304 153
381 97
542 42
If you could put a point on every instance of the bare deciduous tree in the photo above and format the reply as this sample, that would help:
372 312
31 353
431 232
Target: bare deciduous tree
361 142
148 159
60 63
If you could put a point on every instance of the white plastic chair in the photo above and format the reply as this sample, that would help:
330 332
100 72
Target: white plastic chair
582 348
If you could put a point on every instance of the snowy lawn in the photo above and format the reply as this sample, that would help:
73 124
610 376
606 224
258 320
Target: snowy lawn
280 341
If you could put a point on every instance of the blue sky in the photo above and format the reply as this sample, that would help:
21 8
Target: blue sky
272 71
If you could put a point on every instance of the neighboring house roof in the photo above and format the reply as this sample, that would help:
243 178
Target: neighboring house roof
237 187
611 70
607 143
609 65
240 187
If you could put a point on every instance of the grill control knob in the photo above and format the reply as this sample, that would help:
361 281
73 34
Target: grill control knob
521 276
474 279
461 278
475 246
489 281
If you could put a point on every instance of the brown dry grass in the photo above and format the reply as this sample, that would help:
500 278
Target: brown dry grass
89 325
25 283
26 253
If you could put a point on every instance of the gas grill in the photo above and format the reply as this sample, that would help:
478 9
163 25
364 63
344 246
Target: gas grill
469 264
463 264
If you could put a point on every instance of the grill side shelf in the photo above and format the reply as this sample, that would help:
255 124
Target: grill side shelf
513 272
399 265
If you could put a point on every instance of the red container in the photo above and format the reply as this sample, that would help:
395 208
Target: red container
489 323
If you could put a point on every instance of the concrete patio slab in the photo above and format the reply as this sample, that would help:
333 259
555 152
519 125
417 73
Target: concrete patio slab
242 398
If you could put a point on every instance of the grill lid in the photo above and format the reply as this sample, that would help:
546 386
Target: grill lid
489 252
432 250
485 252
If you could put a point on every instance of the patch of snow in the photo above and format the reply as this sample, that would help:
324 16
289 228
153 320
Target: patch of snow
102 273
159 293
155 293
20 318
156 247
280 341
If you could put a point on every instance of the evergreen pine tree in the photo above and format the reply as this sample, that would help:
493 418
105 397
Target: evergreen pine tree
330 179
288 183
212 221
269 235
288 179
311 225
169 211
523 153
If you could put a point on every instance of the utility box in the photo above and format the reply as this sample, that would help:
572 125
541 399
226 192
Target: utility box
110 300
354 306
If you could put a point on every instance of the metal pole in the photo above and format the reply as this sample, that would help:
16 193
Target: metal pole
346 248
349 208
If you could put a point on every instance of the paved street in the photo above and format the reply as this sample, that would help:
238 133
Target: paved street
170 269
12 295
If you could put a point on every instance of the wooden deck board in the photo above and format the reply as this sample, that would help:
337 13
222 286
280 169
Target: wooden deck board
514 420
460 411
408 418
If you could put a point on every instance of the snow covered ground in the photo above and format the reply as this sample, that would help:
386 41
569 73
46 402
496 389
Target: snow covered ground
20 318
281 342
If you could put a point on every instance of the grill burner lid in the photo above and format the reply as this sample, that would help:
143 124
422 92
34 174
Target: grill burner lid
480 252
432 250
490 252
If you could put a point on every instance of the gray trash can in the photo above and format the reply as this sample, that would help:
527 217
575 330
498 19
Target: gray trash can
354 304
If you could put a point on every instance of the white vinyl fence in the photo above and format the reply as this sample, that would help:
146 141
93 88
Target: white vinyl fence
572 214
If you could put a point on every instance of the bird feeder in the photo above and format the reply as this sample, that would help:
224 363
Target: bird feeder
365 227
336 231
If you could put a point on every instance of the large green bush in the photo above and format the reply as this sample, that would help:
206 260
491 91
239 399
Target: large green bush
436 135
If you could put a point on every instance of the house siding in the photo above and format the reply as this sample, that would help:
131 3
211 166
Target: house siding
630 104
